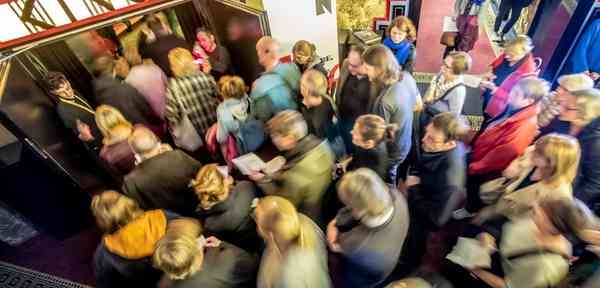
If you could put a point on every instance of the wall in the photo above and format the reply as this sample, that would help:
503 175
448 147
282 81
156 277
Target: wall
291 21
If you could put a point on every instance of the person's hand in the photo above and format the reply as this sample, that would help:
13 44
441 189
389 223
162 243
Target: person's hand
595 76
345 162
85 133
212 242
487 241
332 235
488 85
489 76
256 176
412 181
206 67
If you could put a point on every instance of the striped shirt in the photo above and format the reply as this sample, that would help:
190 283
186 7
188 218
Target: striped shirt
198 94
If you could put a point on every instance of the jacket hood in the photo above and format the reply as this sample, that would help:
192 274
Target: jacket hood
238 107
137 239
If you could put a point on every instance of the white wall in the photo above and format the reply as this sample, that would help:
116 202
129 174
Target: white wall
293 20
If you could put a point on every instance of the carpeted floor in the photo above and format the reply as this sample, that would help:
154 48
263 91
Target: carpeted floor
15 276
429 49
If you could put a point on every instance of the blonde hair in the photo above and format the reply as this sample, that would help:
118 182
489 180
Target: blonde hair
232 87
211 186
132 56
576 82
562 152
113 210
533 88
588 104
406 25
142 140
288 123
280 218
373 128
461 62
364 191
178 253
269 46
522 41
315 82
112 124
305 48
384 60
182 62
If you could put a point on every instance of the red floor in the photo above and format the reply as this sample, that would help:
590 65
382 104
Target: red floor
429 49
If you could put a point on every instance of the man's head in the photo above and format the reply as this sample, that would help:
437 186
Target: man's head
355 63
569 84
518 48
287 128
365 193
144 143
206 39
104 65
527 92
267 50
381 65
442 132
156 25
57 84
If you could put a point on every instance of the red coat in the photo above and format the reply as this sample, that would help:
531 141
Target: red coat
500 144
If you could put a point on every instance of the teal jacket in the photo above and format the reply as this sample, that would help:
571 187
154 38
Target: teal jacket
274 92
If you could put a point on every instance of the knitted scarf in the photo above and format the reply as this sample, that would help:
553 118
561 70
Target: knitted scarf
400 50
438 88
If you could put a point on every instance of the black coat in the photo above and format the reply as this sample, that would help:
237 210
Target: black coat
161 182
587 182
126 99
158 51
231 219
375 159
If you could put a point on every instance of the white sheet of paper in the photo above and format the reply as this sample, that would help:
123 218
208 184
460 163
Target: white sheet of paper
469 253
472 80
249 163
449 25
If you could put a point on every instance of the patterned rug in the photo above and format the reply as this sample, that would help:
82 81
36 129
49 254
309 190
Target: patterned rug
15 276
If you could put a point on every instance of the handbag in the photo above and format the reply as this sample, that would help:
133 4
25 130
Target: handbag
449 38
184 133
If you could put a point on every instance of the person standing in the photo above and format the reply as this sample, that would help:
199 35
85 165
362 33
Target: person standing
306 57
506 8
352 94
401 37
447 91
165 41
218 56
466 13
395 102
149 80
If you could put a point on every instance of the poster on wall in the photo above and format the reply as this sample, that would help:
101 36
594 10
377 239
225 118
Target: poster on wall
394 8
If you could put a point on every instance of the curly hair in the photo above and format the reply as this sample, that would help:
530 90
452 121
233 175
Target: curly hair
404 24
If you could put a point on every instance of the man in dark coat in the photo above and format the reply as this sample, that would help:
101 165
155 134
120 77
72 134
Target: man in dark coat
162 175
165 41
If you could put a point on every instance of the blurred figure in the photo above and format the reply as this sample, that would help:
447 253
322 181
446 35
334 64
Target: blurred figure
544 173
149 80
505 137
466 14
295 253
207 49
190 260
161 176
369 232
110 91
306 57
158 50
115 131
409 283
353 93
562 101
122 258
534 251
278 88
585 58
190 92
370 136
306 176
447 91
585 125
516 63
226 206
395 102
74 111
438 186
512 8
402 34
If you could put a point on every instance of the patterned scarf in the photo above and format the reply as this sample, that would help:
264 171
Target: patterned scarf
438 88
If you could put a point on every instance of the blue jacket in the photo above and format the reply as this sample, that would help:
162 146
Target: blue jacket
229 115
586 56
274 91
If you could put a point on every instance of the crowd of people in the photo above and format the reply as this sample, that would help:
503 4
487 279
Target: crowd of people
371 169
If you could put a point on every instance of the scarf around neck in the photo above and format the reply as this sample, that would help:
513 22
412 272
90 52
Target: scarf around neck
401 50
439 87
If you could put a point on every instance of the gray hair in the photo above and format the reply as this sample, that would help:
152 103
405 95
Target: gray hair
533 88
364 191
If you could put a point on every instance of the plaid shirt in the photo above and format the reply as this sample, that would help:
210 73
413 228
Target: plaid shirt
198 93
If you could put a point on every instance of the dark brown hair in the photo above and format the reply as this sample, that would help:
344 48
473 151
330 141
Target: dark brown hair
53 80
451 125
373 128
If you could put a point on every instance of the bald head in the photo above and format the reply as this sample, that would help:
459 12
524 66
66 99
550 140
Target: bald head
267 49
143 141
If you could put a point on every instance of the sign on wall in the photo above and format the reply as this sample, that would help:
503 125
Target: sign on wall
394 8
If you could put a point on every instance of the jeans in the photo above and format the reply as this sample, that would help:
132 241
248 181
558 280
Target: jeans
507 6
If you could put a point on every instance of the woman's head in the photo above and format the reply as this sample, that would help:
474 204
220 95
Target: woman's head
456 63
518 48
365 193
557 158
381 65
369 130
232 87
286 129
304 52
113 210
212 185
559 217
112 124
182 62
178 253
278 222
402 28
313 86
588 107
